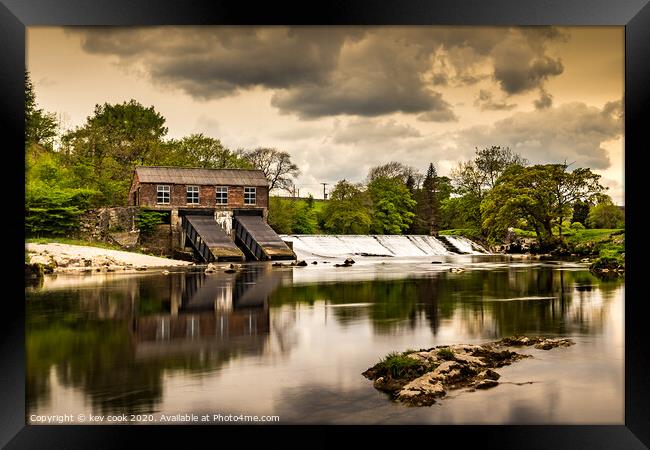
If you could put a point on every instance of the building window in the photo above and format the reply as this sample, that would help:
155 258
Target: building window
222 195
162 194
192 195
249 196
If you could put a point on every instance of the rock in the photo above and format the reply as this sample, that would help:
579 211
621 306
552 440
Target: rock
486 384
436 262
208 270
141 268
33 270
488 374
88 262
230 271
300 264
349 261
165 272
315 262
41 259
422 391
447 371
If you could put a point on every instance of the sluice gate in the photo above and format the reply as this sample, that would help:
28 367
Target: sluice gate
257 238
209 240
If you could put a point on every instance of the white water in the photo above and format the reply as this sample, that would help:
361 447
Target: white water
466 245
335 246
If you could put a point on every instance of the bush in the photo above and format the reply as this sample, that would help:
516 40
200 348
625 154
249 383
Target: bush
606 216
577 226
55 211
147 221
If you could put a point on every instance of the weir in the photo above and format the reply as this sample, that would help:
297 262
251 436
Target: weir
333 246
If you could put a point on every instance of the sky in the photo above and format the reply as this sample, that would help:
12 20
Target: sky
343 99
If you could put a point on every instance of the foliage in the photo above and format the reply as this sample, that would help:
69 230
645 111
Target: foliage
446 353
55 212
348 210
580 212
197 150
147 220
111 143
398 365
606 216
427 210
40 126
542 194
392 206
275 164
397 170
577 226
288 216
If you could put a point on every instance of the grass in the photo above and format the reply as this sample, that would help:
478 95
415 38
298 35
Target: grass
398 365
62 240
445 354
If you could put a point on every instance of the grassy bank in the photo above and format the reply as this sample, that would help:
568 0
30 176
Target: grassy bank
62 240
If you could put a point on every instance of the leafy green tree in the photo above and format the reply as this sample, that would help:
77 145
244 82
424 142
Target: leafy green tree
606 215
197 150
398 170
281 215
542 195
392 206
112 142
427 211
473 179
348 210
40 126
580 212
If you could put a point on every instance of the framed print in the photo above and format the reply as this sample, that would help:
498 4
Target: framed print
407 214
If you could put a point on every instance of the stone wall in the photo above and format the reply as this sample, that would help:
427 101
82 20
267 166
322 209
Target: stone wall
116 225
159 241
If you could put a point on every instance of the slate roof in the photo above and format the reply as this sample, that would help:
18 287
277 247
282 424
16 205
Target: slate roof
197 176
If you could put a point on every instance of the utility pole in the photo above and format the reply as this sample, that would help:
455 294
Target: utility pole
324 194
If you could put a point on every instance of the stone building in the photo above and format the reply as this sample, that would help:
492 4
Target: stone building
220 213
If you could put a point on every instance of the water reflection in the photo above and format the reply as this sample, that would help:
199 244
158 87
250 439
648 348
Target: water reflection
116 344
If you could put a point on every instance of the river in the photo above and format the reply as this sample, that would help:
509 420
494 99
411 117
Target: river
293 341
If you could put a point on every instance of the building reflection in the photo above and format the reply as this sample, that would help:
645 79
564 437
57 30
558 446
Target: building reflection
210 313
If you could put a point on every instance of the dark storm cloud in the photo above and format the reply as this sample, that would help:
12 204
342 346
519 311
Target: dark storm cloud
485 100
315 72
570 132
544 101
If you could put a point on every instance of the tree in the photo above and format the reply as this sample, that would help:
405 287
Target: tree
473 179
580 212
112 142
606 215
493 161
427 217
276 165
197 150
40 126
392 205
348 210
540 194
398 170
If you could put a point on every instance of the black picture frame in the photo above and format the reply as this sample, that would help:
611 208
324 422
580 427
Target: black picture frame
15 15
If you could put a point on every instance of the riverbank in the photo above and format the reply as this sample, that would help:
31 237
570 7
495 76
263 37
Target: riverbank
57 257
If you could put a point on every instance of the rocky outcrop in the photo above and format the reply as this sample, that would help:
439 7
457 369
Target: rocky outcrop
419 378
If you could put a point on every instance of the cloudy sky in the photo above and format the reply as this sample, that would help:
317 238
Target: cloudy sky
342 99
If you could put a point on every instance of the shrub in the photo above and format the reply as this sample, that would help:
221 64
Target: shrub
577 226
147 220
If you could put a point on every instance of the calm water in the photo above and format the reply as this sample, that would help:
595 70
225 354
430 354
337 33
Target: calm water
293 341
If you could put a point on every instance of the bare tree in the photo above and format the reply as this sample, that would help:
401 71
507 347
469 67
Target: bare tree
276 165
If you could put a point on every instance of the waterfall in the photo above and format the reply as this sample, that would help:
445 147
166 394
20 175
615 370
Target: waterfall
336 246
